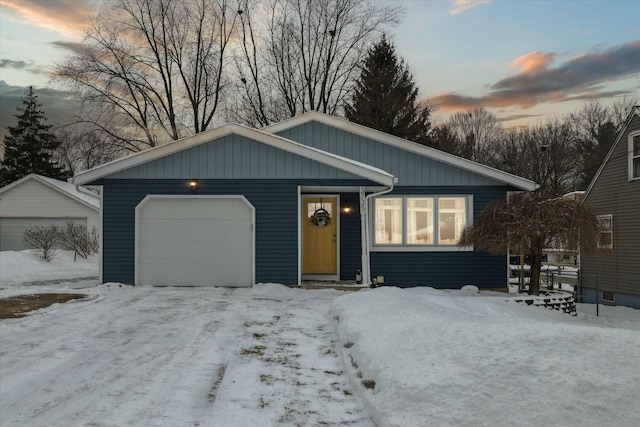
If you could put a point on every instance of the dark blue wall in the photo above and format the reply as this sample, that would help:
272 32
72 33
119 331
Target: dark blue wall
444 269
276 206
350 237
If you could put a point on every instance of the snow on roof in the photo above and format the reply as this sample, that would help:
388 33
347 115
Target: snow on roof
80 194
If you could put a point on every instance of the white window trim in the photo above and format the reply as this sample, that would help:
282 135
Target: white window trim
405 247
610 218
631 156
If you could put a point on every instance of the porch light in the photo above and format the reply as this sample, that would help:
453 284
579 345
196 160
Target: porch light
346 209
193 185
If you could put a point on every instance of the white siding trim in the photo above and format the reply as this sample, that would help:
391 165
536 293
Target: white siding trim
630 154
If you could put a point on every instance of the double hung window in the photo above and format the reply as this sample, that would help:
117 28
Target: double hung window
634 156
605 231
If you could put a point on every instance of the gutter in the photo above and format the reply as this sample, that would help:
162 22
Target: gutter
364 215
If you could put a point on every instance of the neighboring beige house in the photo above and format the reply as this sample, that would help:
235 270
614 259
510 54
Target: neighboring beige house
614 194
36 200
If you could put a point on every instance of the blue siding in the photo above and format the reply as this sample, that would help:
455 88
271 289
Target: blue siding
233 157
276 205
409 168
276 223
444 269
350 237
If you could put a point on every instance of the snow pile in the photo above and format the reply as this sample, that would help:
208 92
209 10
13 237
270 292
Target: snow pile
453 358
27 267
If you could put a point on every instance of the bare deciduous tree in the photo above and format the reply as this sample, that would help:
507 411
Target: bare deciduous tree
77 238
83 147
153 69
478 132
544 153
594 128
43 239
301 55
529 224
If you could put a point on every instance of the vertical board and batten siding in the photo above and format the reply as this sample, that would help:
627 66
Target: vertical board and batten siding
444 269
233 157
614 194
410 168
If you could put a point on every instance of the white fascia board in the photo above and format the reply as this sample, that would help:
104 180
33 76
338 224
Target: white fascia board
342 163
149 154
635 111
47 183
404 144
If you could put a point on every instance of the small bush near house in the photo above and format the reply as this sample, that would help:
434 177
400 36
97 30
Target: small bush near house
41 238
76 238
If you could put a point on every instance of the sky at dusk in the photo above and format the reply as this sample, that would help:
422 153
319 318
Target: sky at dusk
521 59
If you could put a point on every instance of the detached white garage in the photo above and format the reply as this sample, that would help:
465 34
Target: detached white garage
37 200
195 241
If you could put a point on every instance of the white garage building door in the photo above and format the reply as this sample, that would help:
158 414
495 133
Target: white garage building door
12 230
195 241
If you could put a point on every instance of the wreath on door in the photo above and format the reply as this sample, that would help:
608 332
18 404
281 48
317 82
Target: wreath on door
321 217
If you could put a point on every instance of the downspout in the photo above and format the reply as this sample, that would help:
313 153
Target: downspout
364 213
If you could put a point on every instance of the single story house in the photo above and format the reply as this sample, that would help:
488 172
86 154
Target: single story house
613 276
314 197
37 200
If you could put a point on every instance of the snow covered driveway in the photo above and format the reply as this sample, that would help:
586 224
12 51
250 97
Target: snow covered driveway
177 357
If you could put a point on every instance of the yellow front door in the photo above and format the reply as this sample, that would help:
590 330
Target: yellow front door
319 242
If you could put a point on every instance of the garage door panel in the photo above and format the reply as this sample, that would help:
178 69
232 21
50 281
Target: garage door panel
196 230
12 229
195 241
195 209
205 275
194 253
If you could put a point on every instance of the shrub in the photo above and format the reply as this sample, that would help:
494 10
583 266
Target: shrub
76 238
41 238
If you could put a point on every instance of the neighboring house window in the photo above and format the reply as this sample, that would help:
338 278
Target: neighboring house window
605 231
414 221
608 296
634 156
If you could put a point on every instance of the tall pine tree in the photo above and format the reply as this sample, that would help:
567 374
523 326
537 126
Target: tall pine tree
385 96
30 145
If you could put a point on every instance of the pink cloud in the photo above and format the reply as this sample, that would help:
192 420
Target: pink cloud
66 17
582 77
532 62
460 6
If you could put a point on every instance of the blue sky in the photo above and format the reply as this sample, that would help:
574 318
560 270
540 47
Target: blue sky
521 59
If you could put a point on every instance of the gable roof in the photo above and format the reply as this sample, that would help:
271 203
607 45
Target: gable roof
86 197
404 144
635 112
333 160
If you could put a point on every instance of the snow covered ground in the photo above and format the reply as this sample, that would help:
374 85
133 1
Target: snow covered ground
25 267
274 356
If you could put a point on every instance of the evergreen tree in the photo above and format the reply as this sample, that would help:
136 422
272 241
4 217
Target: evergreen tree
385 96
30 145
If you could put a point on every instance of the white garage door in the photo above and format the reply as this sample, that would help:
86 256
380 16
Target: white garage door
12 229
195 241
